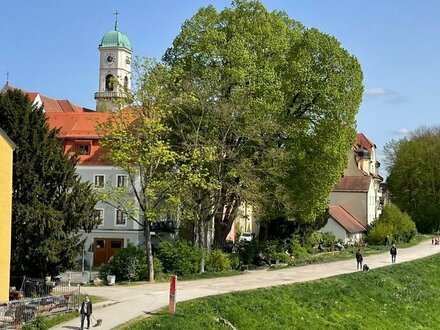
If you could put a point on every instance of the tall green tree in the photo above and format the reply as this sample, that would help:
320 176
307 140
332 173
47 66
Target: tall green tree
414 181
275 101
137 141
49 202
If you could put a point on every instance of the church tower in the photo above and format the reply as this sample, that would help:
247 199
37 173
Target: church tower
114 69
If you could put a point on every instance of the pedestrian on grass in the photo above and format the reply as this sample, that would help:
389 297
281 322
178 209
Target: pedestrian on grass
86 311
393 252
359 259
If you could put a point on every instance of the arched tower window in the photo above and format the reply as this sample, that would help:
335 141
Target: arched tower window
109 82
126 83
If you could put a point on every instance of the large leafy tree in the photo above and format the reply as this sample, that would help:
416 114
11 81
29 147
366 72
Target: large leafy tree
414 180
49 202
136 140
275 102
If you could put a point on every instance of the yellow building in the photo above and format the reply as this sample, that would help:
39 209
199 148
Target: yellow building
6 150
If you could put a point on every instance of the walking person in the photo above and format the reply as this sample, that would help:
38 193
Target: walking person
359 259
86 311
393 252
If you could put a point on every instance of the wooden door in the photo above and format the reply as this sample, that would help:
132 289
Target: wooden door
99 254
104 248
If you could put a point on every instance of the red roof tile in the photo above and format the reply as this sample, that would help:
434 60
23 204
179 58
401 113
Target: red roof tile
76 124
363 141
345 219
353 184
49 104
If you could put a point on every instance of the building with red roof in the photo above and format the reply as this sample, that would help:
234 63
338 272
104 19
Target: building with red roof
77 131
356 201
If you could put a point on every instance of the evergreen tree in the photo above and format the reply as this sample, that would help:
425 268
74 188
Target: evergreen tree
49 203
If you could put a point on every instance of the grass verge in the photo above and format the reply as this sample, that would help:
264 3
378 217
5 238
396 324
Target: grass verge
384 298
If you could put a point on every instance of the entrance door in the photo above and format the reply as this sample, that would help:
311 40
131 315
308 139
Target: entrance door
104 248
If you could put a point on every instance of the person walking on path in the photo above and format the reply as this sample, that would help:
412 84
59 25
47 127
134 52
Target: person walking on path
86 311
359 259
393 252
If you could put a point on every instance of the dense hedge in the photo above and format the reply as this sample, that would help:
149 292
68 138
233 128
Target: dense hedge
180 257
128 264
393 225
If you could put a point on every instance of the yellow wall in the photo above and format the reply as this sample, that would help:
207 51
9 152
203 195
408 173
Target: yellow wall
6 150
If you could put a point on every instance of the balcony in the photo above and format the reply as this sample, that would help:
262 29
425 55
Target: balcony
107 95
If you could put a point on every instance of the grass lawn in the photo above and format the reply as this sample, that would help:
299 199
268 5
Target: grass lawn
401 296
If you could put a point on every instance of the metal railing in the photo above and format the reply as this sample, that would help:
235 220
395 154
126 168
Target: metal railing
46 298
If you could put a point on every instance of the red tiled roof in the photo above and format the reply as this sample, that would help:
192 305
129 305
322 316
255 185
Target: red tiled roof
52 105
76 124
363 141
32 96
353 184
345 219
49 104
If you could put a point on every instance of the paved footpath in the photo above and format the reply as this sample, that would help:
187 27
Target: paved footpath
125 303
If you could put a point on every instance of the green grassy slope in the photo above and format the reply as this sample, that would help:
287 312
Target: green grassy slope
401 296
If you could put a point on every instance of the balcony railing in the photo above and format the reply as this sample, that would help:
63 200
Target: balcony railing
107 95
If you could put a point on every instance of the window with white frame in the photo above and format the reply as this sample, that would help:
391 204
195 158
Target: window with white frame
121 218
99 216
99 180
121 181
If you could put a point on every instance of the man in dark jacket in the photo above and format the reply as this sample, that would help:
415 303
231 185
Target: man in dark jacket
393 252
359 259
86 311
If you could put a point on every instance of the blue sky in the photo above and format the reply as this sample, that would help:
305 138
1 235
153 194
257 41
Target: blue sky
51 46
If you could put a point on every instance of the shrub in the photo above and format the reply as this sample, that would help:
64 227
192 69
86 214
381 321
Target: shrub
180 257
217 261
104 271
128 264
234 260
327 239
39 323
248 251
296 249
282 257
395 224
158 269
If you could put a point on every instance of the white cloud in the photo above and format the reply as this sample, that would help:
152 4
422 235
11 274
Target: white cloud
374 91
388 95
402 131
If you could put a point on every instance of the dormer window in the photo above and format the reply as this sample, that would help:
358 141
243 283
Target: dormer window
83 147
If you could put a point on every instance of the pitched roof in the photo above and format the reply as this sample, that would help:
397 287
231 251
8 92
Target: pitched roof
7 139
345 219
49 104
353 184
363 141
77 124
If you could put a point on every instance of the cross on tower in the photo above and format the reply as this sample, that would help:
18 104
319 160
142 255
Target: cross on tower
116 13
7 77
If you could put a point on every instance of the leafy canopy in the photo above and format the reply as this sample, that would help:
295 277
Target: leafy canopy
414 180
274 101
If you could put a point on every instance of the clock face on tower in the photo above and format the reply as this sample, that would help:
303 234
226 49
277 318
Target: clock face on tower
109 59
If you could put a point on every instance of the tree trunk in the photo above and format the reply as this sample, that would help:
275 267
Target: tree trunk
224 220
202 246
147 236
